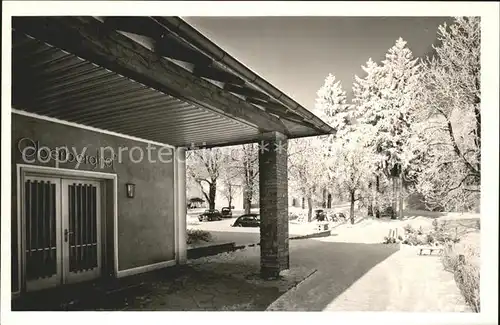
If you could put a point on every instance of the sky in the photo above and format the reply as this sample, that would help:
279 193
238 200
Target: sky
295 54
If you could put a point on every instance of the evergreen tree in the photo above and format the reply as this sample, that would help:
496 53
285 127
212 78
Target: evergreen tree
367 110
385 99
331 104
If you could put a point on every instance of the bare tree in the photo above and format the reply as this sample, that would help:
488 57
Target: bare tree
244 162
352 165
204 166
230 188
307 168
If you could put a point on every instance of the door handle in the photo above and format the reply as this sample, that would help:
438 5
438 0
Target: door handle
66 234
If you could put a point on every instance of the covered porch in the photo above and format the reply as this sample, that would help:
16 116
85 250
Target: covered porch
153 80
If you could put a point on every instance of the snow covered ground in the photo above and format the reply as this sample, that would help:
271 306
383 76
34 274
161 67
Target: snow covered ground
365 230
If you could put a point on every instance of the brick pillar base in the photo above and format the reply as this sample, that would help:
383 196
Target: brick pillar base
273 188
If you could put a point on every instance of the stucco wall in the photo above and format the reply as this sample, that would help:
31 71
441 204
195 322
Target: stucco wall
145 222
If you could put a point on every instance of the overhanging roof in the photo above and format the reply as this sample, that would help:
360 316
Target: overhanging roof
155 78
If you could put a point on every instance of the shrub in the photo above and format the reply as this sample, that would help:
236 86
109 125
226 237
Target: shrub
414 240
409 229
437 235
435 225
442 226
430 239
389 240
467 278
444 237
466 274
197 235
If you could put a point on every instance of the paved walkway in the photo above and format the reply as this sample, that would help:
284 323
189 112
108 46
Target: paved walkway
405 282
339 266
369 277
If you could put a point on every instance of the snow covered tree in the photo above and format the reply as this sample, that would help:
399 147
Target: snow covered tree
230 189
331 104
352 165
400 96
367 93
307 168
367 107
388 105
332 107
204 167
448 135
246 163
231 180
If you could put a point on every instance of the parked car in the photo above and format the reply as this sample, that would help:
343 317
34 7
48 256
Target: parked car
247 220
226 212
210 215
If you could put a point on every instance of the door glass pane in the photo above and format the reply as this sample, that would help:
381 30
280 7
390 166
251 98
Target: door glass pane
83 227
40 229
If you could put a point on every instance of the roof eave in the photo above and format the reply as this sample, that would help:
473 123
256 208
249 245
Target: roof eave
193 36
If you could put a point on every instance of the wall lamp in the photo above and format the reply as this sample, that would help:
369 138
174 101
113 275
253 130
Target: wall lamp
130 190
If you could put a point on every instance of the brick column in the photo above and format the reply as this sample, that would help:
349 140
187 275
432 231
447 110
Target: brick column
273 188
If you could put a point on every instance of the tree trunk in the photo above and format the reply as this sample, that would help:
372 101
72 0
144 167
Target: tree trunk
329 203
375 197
310 208
324 198
351 212
477 113
401 212
249 186
303 202
212 190
370 198
248 205
247 201
397 196
394 197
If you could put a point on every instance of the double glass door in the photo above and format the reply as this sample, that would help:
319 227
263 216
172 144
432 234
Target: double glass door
62 231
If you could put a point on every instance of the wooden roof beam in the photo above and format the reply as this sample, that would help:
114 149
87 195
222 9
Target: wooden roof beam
136 25
269 105
213 73
169 47
247 92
